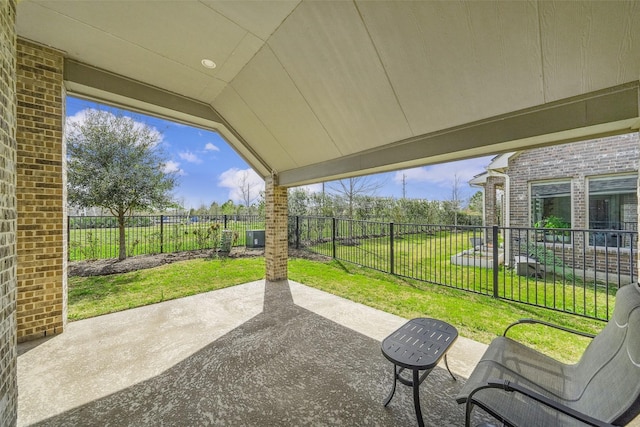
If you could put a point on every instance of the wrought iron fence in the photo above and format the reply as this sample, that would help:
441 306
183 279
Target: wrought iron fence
97 237
567 270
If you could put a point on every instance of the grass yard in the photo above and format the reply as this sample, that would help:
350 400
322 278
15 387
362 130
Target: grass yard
478 317
93 296
427 257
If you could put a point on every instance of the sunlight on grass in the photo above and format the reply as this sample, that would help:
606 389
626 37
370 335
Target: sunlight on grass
478 317
93 296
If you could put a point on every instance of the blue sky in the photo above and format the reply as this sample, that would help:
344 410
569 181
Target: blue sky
209 169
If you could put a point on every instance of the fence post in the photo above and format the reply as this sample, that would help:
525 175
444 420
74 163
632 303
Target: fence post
392 269
297 232
494 233
161 234
68 238
333 237
225 221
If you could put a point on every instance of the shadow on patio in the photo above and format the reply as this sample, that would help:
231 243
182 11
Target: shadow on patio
259 354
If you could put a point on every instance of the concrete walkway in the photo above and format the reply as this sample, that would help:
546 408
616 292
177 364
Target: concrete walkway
258 354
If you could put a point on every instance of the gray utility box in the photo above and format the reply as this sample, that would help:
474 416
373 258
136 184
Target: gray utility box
255 238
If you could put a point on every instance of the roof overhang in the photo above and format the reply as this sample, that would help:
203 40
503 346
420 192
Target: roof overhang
312 91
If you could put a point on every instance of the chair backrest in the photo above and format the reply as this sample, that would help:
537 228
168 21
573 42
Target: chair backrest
609 370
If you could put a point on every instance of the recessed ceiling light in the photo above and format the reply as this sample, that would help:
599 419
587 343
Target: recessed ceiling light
207 63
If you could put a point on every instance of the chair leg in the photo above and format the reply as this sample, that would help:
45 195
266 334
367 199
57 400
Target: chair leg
467 417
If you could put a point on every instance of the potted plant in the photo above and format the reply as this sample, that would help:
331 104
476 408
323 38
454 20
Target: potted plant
555 222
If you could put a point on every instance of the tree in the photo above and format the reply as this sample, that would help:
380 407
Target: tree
298 201
214 209
228 208
352 188
475 202
456 197
247 186
114 163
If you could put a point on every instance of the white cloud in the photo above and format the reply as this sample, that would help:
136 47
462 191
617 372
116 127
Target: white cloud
211 147
173 167
443 174
188 156
233 178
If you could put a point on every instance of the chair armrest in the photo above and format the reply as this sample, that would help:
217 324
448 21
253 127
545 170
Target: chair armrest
551 325
508 386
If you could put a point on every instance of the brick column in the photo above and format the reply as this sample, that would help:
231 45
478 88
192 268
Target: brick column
491 200
41 192
276 213
8 281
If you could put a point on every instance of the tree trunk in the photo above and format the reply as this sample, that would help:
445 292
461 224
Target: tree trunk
123 244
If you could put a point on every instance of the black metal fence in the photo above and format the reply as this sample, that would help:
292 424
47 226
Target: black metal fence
569 270
97 237
573 271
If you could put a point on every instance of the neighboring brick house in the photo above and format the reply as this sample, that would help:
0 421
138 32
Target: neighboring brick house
589 184
585 185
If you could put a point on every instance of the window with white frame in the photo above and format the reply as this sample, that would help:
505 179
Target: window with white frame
613 205
551 200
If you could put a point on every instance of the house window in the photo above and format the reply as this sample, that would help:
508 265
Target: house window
613 205
550 199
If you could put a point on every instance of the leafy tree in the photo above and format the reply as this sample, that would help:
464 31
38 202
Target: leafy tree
214 209
115 163
228 208
475 202
298 201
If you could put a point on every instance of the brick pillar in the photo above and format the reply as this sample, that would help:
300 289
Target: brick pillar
41 192
491 199
8 281
276 212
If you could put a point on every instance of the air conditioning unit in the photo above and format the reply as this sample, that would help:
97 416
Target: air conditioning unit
255 238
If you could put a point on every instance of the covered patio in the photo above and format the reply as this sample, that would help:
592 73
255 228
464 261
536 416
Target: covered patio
306 91
258 354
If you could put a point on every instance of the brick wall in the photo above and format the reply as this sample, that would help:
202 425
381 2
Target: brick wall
8 282
576 161
41 192
276 216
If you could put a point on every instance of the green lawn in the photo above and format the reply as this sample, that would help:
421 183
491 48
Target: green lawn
427 256
93 296
476 316
423 254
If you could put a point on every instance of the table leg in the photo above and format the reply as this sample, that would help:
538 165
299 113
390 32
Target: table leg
393 388
447 365
416 397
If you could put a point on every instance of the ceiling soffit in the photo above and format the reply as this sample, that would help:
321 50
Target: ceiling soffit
607 112
314 90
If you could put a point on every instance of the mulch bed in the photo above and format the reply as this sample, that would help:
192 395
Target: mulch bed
103 267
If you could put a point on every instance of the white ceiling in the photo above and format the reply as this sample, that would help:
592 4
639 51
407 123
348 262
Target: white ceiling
314 90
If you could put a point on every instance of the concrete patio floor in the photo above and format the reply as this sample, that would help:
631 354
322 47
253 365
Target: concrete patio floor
258 354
